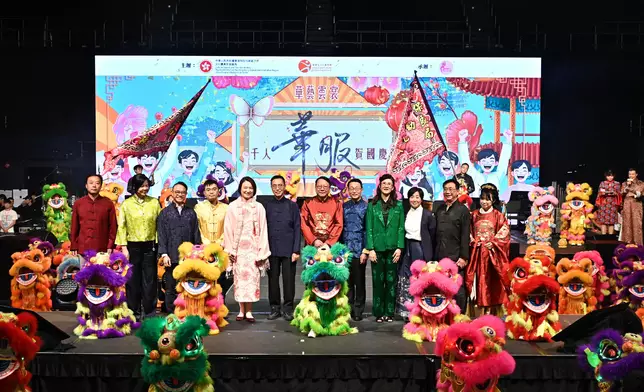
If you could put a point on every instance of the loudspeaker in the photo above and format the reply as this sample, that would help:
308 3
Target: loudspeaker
51 336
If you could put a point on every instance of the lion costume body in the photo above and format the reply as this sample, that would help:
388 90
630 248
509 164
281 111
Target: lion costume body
198 293
472 355
611 357
433 286
541 222
58 212
174 357
601 283
576 295
102 308
30 286
20 348
324 308
531 307
292 180
576 214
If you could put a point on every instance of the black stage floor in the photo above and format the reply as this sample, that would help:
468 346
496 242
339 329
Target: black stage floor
273 356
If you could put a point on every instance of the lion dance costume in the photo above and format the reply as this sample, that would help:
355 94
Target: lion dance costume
30 284
472 355
174 358
433 286
541 221
113 191
324 308
58 212
611 357
20 346
576 214
199 294
101 308
631 285
626 258
531 307
576 295
600 279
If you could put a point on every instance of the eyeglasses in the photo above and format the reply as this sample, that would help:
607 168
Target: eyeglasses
322 187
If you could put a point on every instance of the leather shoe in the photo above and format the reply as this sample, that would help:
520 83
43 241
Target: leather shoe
274 315
288 316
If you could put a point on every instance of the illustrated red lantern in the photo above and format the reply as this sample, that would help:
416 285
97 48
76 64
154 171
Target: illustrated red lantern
376 95
396 110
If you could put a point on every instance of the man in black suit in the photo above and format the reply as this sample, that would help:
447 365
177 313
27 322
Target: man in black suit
453 234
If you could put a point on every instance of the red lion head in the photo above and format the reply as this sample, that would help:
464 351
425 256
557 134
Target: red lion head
18 346
433 285
531 306
472 356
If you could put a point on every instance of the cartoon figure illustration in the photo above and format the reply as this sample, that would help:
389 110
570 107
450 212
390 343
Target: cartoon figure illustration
417 179
576 215
223 172
130 123
488 160
521 171
156 166
113 191
446 166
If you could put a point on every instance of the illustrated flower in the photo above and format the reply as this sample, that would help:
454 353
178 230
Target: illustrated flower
240 82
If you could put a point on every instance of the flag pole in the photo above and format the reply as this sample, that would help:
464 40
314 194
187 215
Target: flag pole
433 119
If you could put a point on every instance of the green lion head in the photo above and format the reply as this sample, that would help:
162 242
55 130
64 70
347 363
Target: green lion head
325 269
175 360
55 195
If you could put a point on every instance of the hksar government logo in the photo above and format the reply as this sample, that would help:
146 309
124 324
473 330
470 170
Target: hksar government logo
205 66
304 66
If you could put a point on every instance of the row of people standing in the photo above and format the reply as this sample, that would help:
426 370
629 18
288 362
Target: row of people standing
261 237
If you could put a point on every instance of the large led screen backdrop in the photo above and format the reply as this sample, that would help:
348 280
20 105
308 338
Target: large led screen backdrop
253 115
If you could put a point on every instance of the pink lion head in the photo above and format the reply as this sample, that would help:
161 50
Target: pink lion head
543 200
433 285
600 279
472 354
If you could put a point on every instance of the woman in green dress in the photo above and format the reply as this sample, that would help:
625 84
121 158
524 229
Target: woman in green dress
385 224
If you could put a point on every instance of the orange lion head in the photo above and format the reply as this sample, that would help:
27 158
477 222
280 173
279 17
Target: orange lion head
575 276
27 266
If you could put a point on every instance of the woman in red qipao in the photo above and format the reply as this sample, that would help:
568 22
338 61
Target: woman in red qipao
489 250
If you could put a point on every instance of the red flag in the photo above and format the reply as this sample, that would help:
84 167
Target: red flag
418 140
156 139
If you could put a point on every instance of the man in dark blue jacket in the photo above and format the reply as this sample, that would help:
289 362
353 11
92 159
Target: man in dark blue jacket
284 236
176 224
353 236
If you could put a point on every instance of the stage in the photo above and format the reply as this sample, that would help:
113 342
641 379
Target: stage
273 356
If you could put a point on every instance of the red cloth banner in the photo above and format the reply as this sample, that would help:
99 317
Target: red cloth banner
418 140
155 139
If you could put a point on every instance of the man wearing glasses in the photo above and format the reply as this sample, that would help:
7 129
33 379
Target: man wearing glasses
453 234
176 224
322 220
211 213
283 217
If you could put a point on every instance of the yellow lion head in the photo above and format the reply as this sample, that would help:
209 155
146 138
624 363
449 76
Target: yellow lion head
199 268
292 179
578 192
112 191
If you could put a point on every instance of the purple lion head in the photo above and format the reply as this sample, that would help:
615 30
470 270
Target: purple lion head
611 352
633 288
46 247
202 187
102 279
